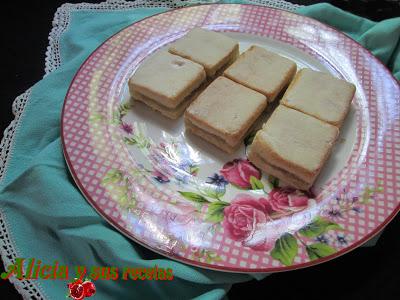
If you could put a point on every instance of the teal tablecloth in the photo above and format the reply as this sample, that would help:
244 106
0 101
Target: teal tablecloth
47 216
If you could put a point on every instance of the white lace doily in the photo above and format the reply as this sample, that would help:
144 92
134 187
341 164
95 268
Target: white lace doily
30 289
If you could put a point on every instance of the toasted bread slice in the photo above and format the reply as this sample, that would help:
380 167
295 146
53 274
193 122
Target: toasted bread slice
320 95
226 109
213 50
262 71
167 79
295 143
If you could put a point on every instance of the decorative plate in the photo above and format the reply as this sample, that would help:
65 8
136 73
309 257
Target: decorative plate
180 197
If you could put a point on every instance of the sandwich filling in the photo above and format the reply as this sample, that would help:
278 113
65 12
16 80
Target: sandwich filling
166 102
167 111
218 140
212 138
289 177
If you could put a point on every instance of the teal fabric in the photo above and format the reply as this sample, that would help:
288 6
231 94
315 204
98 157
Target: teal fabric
381 38
47 215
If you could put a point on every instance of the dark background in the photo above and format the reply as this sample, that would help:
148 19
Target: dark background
365 273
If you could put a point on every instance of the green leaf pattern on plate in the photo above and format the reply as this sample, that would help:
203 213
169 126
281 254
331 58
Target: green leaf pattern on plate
285 249
208 200
209 256
193 197
256 184
117 184
318 226
319 250
215 212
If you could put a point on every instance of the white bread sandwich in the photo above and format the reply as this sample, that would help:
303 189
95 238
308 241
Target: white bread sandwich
293 147
320 95
214 51
263 71
224 112
167 83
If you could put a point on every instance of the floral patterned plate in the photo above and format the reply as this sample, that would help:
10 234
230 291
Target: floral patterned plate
180 197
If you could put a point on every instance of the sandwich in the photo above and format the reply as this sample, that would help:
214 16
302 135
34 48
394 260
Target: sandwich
293 147
320 95
214 51
224 112
167 83
263 71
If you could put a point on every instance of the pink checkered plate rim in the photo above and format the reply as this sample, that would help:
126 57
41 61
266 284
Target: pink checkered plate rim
176 195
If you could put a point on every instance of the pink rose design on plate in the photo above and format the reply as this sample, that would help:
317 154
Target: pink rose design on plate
243 214
253 221
285 200
239 171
